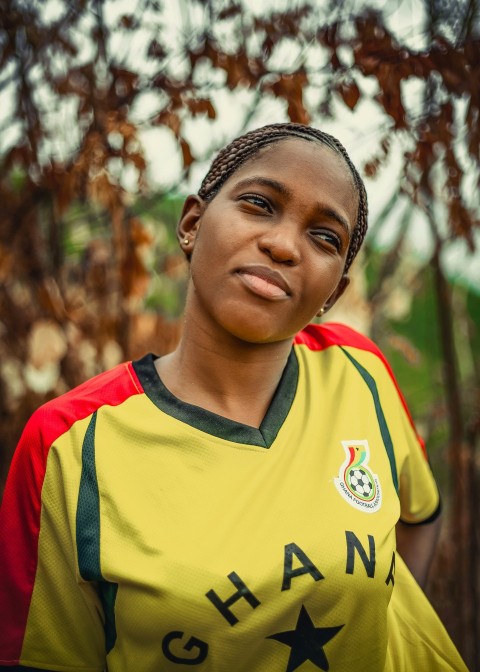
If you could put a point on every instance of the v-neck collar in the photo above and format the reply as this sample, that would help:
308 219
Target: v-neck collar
217 425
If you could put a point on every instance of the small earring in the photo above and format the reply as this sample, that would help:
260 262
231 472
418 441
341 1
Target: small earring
186 241
320 312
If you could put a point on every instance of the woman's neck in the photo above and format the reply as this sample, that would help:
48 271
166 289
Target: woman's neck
234 379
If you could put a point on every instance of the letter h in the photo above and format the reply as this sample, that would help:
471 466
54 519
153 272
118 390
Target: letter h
242 591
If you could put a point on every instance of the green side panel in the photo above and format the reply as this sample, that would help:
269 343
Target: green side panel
108 594
88 510
88 534
387 439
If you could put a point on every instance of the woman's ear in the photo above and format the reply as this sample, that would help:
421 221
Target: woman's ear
331 301
189 222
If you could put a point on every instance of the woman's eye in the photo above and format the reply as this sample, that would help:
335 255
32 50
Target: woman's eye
257 201
322 235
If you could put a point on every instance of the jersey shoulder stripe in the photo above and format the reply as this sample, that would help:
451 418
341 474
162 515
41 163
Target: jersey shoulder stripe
319 337
22 496
322 336
110 388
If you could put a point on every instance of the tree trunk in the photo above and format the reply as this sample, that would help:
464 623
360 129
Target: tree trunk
462 470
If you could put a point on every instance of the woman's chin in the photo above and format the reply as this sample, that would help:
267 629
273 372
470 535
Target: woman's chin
257 333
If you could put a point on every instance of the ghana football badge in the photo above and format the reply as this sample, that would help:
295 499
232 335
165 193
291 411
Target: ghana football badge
357 484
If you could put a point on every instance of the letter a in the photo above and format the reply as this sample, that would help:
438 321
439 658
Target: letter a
308 567
391 574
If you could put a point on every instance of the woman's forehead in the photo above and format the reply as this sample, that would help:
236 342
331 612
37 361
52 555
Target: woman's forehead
312 161
296 151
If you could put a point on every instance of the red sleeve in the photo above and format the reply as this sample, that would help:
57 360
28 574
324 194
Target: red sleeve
19 528
21 505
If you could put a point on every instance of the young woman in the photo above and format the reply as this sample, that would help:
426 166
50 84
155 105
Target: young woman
232 505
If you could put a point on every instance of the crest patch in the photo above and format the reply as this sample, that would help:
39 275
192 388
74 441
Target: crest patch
357 484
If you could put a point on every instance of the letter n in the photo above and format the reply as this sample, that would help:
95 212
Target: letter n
354 544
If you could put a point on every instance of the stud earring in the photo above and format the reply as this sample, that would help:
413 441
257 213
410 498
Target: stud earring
320 312
186 241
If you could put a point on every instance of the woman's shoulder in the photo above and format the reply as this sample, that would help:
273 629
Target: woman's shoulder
110 388
318 337
322 336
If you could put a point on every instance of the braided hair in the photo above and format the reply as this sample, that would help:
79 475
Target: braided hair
243 148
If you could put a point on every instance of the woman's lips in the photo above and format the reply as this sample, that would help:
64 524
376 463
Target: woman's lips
264 281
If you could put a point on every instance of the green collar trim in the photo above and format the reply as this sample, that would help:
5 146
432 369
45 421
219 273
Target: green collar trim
214 424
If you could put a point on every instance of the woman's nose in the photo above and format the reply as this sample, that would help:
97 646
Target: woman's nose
281 243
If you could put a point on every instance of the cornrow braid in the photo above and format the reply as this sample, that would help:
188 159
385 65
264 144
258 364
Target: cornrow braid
243 148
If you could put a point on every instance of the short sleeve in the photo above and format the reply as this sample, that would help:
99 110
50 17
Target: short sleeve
419 496
418 492
49 617
412 476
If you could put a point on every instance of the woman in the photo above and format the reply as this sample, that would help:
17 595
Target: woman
232 505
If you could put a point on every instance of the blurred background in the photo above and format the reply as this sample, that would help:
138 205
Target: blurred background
110 112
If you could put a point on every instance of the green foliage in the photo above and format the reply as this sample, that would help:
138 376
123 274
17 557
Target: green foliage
421 378
166 292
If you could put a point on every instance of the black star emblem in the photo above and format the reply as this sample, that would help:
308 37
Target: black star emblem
306 642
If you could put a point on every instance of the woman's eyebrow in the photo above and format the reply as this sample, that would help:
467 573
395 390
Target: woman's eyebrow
279 187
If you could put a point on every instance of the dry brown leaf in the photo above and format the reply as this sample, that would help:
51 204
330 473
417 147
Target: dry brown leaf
46 343
350 93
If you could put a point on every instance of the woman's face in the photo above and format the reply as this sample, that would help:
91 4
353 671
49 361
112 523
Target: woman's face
269 251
